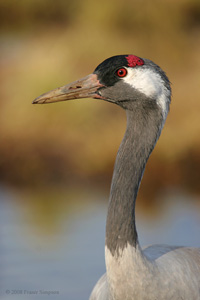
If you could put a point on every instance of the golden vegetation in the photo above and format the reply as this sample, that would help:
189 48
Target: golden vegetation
46 44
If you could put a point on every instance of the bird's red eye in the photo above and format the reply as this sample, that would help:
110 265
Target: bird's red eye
121 72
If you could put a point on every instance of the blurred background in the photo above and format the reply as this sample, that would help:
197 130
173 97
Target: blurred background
56 160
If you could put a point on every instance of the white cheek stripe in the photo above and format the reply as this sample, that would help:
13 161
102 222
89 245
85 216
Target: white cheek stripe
151 84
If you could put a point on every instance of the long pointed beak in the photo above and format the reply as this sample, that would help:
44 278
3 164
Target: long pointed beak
82 88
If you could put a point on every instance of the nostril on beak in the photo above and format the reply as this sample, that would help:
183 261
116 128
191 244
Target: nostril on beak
75 87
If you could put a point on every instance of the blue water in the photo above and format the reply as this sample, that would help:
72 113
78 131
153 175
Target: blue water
67 263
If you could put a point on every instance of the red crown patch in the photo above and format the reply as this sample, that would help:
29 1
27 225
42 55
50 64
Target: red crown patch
134 61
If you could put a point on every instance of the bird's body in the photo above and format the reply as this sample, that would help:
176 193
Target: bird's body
158 272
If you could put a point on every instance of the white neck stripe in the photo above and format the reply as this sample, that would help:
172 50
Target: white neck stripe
150 84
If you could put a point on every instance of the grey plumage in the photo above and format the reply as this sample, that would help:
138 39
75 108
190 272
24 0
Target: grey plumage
157 272
160 273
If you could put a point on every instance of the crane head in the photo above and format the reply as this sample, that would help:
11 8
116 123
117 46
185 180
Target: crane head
126 80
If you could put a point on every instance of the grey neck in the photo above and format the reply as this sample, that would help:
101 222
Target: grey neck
143 129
